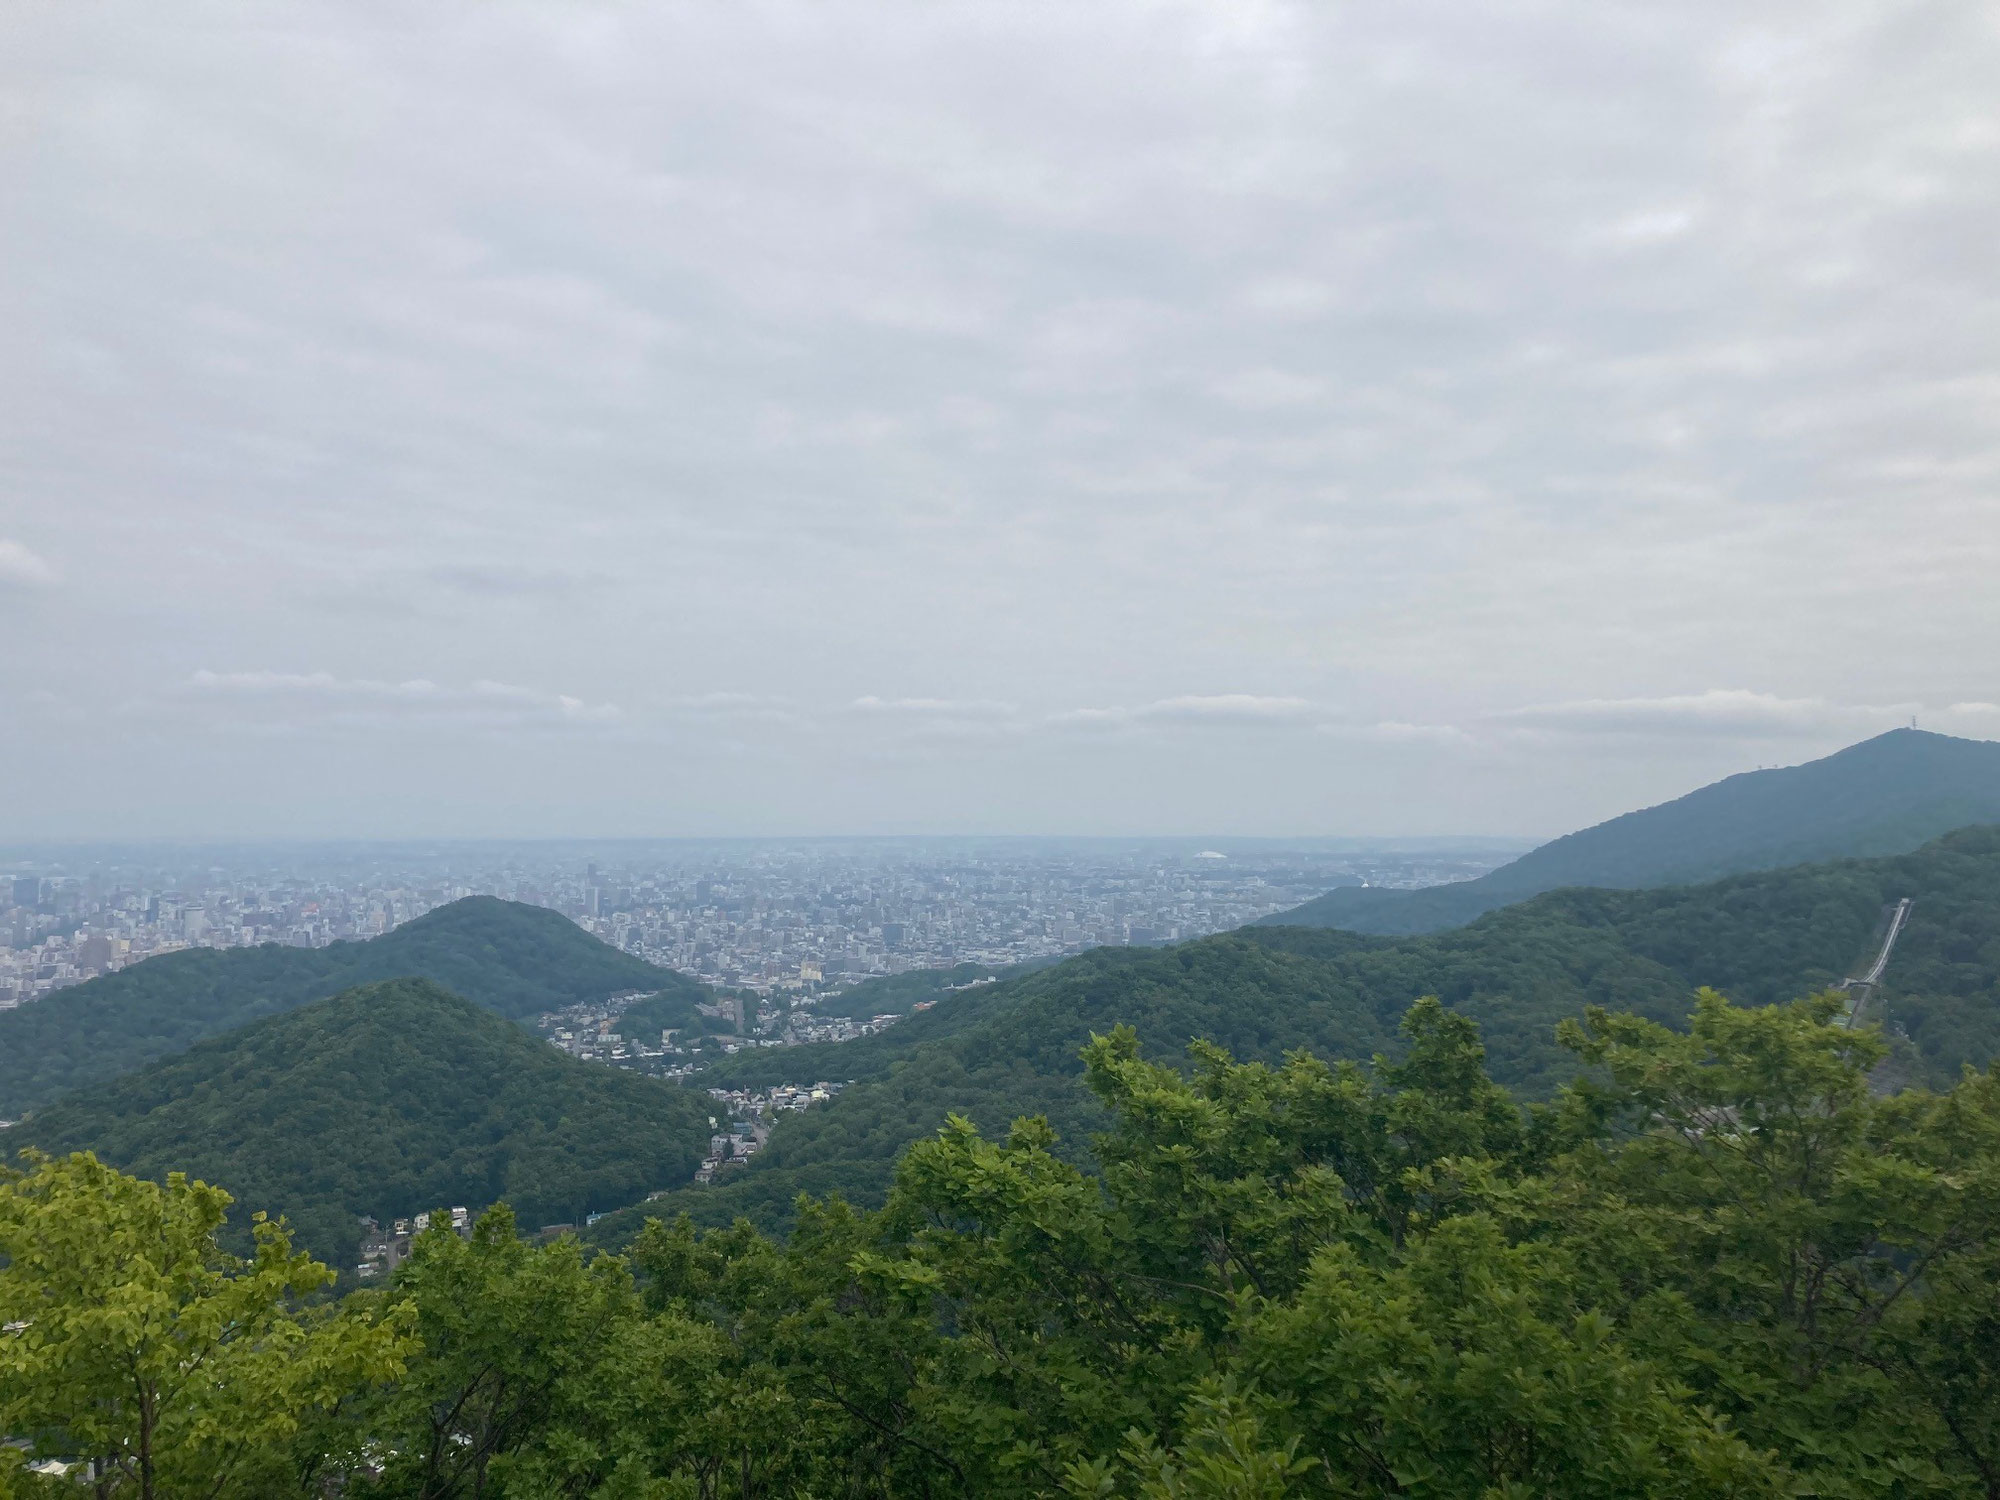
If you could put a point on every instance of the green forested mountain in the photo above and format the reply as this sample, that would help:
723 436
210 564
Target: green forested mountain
388 1100
508 957
1012 1049
1887 795
898 994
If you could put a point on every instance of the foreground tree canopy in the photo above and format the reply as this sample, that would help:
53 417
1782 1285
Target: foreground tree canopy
1721 1266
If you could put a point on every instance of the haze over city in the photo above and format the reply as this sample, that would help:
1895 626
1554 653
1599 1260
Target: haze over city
1289 420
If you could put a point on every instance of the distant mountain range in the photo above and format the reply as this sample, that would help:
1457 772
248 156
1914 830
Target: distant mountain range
509 958
1887 795
388 1100
1009 1049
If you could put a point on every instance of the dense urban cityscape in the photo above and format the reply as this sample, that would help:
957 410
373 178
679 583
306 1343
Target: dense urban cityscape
762 916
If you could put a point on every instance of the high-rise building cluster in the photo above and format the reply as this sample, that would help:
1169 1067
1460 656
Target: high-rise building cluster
76 918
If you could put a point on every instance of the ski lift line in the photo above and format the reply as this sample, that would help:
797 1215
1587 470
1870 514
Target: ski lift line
1865 985
1874 974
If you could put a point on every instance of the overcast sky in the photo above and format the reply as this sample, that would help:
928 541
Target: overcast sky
1056 418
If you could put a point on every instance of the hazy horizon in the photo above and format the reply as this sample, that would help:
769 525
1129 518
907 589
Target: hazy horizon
580 847
794 421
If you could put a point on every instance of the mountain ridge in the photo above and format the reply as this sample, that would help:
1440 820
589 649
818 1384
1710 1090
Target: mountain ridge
510 958
386 1099
1886 795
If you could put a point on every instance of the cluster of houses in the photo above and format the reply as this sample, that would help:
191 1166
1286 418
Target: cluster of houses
382 1250
751 1114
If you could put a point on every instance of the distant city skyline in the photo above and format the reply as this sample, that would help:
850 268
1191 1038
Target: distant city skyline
821 419
766 915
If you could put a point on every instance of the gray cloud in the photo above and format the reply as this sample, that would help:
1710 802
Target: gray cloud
504 581
1213 710
300 696
1729 715
22 568
1398 732
1229 708
722 703
1725 712
939 708
1541 411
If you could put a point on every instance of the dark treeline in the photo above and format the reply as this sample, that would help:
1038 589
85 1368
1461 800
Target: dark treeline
1719 1266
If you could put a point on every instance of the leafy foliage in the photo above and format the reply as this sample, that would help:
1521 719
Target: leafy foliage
387 1100
540 1376
1887 795
1719 1267
511 958
130 1340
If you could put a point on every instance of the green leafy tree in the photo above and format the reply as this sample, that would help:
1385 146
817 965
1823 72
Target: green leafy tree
820 1389
1285 1281
1469 1367
537 1374
133 1343
1817 1261
1225 1456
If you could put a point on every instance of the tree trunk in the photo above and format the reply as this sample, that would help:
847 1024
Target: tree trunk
145 1445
